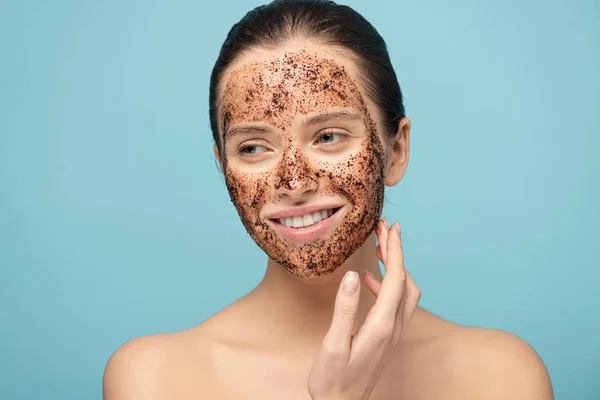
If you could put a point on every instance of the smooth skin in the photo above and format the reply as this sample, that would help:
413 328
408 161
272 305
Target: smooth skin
292 338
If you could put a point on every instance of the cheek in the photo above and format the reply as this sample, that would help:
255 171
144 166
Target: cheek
360 177
247 191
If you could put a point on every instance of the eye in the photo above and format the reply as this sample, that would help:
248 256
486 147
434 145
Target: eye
251 150
330 137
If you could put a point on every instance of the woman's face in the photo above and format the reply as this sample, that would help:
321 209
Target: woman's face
302 157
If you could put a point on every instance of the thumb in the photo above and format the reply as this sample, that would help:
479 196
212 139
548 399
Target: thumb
344 312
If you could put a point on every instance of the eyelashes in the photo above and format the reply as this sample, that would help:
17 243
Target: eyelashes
250 149
330 134
326 140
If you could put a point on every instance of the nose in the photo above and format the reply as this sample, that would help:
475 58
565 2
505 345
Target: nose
295 176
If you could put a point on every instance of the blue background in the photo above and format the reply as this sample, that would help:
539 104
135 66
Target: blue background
115 222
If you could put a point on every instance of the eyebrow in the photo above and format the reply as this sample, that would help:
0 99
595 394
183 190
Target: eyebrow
314 120
342 114
246 129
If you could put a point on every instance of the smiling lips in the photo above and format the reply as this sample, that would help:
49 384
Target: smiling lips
306 220
307 227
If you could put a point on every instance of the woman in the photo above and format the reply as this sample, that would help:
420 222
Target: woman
309 128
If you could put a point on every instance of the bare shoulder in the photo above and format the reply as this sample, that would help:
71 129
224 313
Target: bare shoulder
494 364
172 365
443 360
181 365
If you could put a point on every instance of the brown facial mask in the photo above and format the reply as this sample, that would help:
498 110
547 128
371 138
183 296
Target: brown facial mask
275 92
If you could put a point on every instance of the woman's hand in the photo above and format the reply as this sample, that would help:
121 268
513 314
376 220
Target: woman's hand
347 367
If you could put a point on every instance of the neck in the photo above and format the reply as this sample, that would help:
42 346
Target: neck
301 309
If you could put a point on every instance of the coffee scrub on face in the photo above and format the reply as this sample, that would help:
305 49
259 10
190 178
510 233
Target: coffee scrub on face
275 92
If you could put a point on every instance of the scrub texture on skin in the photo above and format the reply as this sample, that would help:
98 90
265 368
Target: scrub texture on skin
275 92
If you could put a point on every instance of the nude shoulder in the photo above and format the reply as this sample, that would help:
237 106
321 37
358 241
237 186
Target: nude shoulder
156 366
440 359
493 364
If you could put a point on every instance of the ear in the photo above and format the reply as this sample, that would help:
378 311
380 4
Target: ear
398 157
217 156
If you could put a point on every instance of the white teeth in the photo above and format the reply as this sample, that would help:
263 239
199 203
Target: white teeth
305 220
317 217
298 222
308 220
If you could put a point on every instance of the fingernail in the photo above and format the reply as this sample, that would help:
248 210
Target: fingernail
397 227
350 282
385 223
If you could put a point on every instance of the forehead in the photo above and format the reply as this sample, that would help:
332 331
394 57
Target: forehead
274 86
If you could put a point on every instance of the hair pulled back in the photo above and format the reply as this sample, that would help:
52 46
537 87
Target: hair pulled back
337 25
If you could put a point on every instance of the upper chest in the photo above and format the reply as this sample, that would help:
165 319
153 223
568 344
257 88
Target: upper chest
410 375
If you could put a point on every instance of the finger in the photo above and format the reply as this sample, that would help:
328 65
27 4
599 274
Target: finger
373 284
378 253
412 297
394 281
339 336
398 326
382 236
401 312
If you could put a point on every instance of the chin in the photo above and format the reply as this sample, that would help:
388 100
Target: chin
322 256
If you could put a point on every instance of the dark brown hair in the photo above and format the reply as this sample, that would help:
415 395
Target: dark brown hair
330 23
